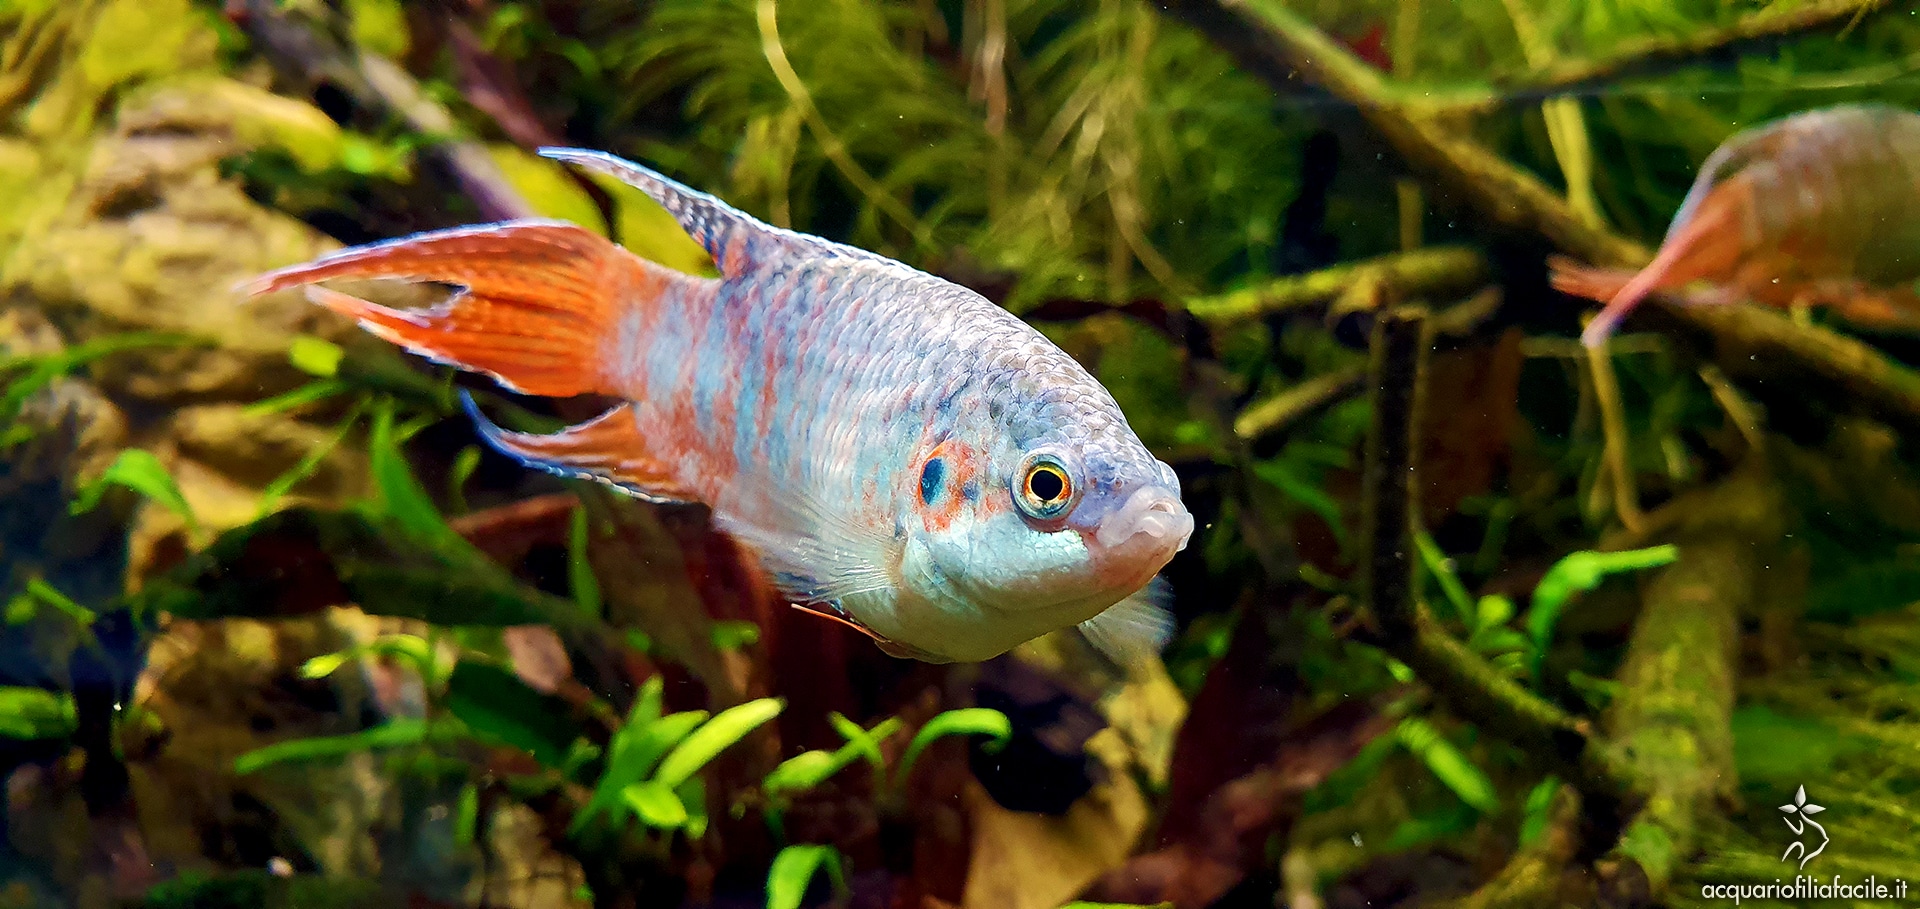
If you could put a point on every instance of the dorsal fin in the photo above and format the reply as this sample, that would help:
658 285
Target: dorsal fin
732 237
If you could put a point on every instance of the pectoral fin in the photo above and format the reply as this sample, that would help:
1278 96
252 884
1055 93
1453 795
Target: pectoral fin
1136 628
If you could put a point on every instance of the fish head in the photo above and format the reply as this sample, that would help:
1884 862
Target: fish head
1029 523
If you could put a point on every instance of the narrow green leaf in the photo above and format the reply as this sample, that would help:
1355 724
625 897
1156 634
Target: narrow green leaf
1437 565
35 713
1580 572
794 868
655 804
1287 477
51 595
397 733
285 482
315 356
803 771
400 495
319 390
138 470
586 587
734 635
1447 763
865 742
466 818
41 371
706 743
498 707
965 721
1536 815
464 464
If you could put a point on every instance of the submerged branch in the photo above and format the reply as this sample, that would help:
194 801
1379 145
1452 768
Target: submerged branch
1260 423
1653 55
1389 490
311 56
1420 273
1283 49
1672 721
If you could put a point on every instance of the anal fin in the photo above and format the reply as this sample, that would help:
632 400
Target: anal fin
608 448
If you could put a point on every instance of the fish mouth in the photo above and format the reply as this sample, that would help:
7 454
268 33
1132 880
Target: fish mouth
1151 518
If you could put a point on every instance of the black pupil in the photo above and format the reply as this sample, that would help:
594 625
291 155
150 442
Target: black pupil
1046 485
930 477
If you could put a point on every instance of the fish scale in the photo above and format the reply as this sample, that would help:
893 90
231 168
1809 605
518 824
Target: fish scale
804 395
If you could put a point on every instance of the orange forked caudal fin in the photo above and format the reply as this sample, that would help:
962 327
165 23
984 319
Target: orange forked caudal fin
539 308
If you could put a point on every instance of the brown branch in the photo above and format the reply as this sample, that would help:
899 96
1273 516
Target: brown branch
1260 423
1283 49
1653 55
1671 723
1436 271
1389 491
1536 874
307 51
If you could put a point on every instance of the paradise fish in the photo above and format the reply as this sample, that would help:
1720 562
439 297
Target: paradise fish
1821 207
904 456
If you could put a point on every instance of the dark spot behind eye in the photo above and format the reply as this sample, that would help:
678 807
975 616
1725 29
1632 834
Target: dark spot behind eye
970 490
930 478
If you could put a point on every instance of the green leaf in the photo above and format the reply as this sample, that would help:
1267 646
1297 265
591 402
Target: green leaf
51 596
466 817
1536 815
693 794
1492 609
306 394
803 771
965 721
396 733
734 634
808 769
464 464
586 587
138 470
794 868
285 482
35 713
1447 763
865 742
1580 572
41 371
1438 565
706 743
498 707
655 804
315 356
635 749
400 495
1288 478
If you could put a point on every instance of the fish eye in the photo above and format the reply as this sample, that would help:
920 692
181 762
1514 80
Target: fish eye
1046 489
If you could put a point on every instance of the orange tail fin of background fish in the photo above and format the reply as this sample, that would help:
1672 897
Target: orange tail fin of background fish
1707 244
539 311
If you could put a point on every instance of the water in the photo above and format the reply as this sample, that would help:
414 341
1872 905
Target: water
1469 610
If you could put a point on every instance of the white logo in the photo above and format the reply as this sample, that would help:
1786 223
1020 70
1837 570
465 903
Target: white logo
1799 818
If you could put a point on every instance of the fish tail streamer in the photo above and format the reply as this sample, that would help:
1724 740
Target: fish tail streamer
1708 243
545 306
